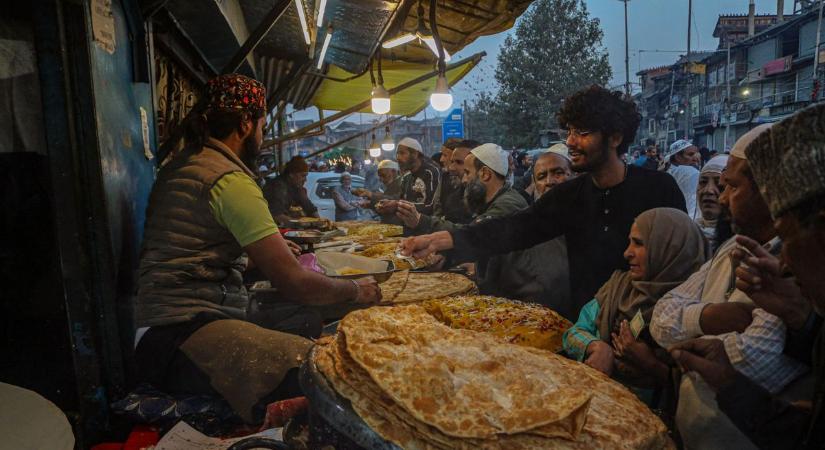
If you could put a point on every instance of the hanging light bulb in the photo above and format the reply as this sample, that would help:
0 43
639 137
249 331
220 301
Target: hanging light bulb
375 148
380 100
441 99
387 144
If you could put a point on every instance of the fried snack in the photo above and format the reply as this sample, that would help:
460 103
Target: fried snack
376 230
516 322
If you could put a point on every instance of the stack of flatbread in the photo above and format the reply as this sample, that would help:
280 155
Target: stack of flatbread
411 287
423 385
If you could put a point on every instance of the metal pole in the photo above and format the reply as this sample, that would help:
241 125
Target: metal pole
727 102
818 39
255 38
669 104
689 74
626 53
359 134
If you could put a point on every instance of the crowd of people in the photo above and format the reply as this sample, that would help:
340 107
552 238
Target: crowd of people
699 283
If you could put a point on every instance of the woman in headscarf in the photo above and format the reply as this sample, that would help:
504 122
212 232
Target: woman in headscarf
708 191
665 248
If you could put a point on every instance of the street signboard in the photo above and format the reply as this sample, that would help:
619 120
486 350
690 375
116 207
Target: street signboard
453 125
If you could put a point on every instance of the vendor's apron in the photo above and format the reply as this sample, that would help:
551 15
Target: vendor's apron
244 362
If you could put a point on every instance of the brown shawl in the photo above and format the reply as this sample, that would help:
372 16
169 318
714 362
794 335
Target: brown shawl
675 249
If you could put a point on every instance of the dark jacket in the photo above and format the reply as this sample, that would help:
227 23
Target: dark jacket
420 187
281 196
595 223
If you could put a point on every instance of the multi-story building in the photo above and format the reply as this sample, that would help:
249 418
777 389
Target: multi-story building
749 80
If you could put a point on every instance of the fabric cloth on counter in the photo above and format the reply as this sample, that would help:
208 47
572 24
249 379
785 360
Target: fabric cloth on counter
243 363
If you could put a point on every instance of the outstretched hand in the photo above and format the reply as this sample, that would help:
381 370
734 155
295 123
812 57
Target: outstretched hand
764 279
421 247
708 358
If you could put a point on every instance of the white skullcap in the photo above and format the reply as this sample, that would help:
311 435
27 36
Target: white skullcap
716 164
492 156
411 143
388 164
559 149
739 147
677 147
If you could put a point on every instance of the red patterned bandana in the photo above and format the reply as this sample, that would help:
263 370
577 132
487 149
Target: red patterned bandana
236 92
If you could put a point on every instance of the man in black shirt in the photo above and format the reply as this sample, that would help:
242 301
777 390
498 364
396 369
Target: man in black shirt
594 211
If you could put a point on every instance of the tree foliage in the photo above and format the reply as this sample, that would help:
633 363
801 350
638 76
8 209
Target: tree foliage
556 50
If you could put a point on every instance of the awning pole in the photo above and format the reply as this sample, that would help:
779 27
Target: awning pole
357 135
297 134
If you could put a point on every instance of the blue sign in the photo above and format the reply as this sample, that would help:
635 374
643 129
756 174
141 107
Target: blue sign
453 125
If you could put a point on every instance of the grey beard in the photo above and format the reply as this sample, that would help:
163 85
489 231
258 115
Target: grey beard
475 197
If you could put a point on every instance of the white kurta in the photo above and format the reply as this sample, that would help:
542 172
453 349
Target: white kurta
687 177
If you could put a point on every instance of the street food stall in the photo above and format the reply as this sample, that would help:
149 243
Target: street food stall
435 365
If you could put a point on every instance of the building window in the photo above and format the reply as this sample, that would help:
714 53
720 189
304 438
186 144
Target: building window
651 126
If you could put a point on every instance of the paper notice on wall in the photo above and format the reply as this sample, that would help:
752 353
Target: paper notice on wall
144 127
103 24
184 437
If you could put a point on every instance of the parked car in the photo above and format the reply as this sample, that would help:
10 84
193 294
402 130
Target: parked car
320 186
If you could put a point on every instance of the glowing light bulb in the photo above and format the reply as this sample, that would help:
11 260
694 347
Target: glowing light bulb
441 99
380 100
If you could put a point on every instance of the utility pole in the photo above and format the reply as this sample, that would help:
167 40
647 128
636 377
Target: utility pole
727 100
626 53
689 73
818 39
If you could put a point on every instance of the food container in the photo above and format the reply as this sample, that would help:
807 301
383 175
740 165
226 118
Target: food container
346 265
310 222
310 236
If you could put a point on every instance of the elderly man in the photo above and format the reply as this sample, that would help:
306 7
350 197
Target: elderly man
346 201
682 162
709 304
286 195
594 211
205 214
707 193
388 173
486 194
787 165
539 274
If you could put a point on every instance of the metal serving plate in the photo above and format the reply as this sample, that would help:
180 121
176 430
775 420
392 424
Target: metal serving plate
336 410
379 277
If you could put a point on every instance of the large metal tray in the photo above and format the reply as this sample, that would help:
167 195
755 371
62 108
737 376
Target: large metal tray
336 410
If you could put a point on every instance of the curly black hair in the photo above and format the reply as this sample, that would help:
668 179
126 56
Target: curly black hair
598 109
